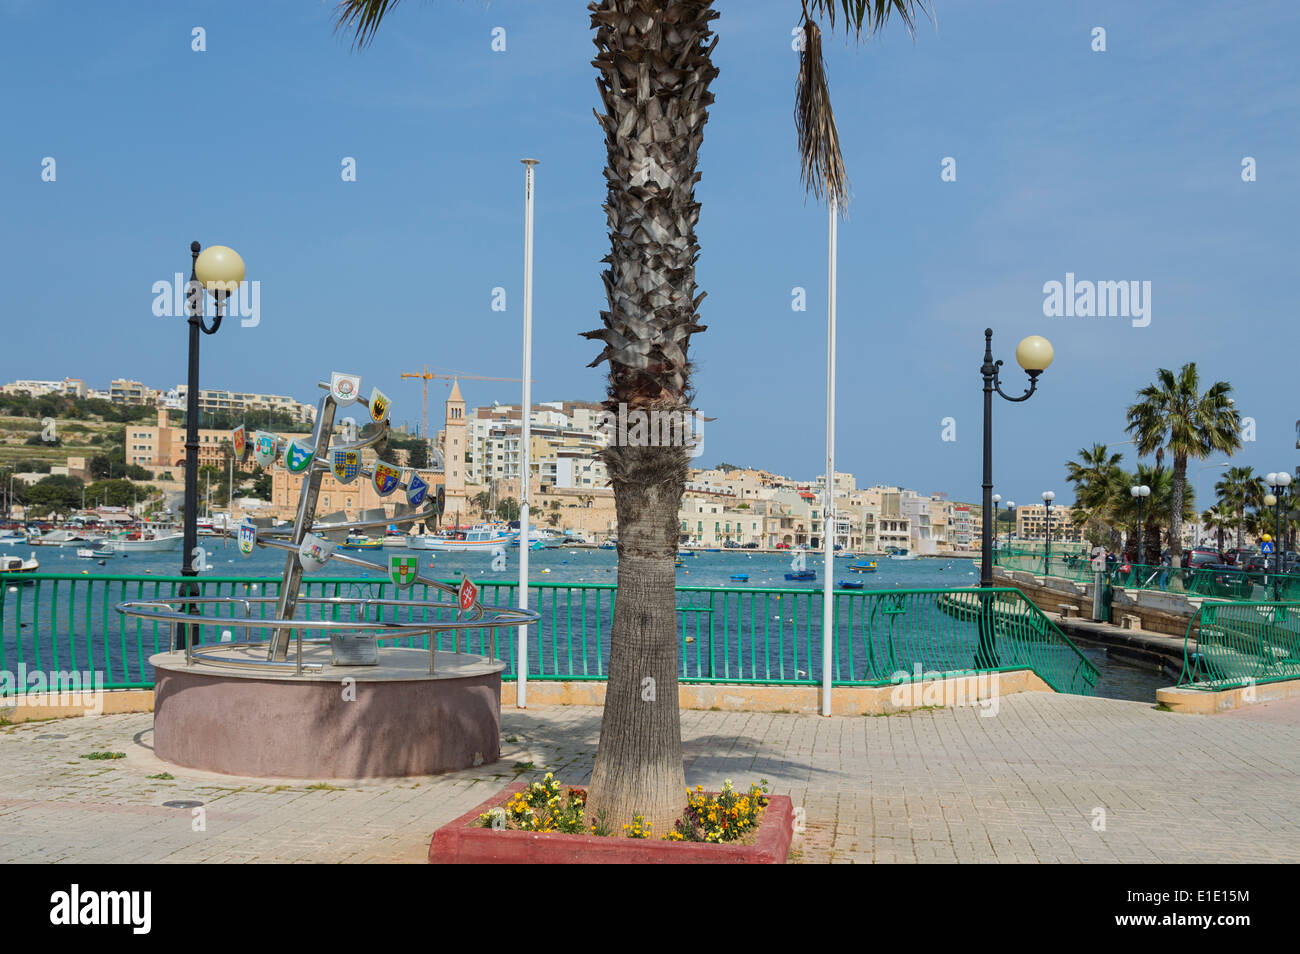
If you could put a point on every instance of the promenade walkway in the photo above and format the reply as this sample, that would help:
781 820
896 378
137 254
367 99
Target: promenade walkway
1032 784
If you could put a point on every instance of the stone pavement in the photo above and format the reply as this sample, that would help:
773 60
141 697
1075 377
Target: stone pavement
1034 783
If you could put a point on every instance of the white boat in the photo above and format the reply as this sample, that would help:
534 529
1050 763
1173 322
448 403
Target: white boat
468 541
902 555
147 542
59 538
12 566
12 536
540 537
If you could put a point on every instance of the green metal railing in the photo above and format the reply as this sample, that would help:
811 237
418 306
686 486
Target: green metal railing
727 634
1240 644
1069 564
1230 584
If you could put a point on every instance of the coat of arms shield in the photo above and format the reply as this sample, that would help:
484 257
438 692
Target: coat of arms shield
314 552
297 457
247 537
403 570
346 465
386 478
264 448
345 388
379 405
239 441
417 488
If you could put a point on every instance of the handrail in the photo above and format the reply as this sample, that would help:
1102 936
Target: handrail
1241 644
741 634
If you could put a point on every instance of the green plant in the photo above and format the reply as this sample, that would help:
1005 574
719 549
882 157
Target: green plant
104 755
164 776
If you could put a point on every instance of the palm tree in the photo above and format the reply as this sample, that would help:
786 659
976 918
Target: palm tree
1219 519
1096 477
1238 490
1173 415
482 500
654 67
1157 510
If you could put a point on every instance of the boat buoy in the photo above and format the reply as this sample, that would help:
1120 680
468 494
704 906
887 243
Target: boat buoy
690 639
547 570
84 572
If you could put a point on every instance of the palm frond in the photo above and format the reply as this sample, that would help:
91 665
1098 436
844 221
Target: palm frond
821 160
362 17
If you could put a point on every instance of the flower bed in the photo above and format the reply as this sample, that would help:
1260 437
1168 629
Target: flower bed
542 823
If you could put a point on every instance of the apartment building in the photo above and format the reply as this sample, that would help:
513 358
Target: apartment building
68 387
1031 523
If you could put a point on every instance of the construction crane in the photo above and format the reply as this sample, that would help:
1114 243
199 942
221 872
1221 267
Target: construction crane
428 376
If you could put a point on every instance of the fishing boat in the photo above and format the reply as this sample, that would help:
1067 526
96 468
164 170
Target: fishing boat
12 536
608 545
360 542
12 566
851 584
802 575
146 541
740 577
465 541
863 566
59 538
902 554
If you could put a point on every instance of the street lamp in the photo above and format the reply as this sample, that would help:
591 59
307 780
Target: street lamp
1139 494
218 270
997 499
1279 482
1011 510
1034 354
1048 497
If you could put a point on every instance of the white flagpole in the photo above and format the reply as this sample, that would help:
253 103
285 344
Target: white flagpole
526 405
828 491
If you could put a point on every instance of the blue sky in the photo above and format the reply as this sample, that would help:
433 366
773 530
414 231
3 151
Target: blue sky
1115 165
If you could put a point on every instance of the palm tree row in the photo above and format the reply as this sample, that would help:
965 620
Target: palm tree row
1172 418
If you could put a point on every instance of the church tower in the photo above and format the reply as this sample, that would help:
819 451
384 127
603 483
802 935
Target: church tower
453 453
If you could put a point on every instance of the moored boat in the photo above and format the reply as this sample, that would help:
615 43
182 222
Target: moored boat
468 541
863 566
12 566
851 584
802 575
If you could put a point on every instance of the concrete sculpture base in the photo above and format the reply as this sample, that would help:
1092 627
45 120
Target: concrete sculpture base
394 719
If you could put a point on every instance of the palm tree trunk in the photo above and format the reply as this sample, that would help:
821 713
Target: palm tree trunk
1241 525
638 768
1177 493
655 67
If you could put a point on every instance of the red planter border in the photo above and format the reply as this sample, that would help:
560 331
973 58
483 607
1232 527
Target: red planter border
459 843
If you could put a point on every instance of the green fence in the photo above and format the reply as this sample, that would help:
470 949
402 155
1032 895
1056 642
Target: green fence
1228 583
1068 563
1239 644
727 634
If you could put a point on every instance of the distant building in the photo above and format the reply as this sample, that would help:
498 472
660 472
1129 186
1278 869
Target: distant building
68 387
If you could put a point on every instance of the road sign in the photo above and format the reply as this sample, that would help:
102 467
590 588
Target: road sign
1266 546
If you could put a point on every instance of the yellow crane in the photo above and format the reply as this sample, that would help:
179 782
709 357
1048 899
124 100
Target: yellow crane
428 376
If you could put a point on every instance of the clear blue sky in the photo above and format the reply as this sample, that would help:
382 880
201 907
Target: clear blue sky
1122 165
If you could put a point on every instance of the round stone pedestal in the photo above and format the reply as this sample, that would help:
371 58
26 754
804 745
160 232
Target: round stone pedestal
393 719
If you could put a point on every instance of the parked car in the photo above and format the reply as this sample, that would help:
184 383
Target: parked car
1237 555
1198 557
750 546
783 546
1257 563
1225 580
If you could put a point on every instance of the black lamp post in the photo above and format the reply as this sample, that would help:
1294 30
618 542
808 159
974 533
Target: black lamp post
219 270
1011 515
997 500
1139 494
1048 497
1279 483
1034 354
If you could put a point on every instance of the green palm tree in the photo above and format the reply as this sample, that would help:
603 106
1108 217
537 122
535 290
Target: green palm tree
1096 477
1173 416
1238 491
1157 510
1218 518
654 63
